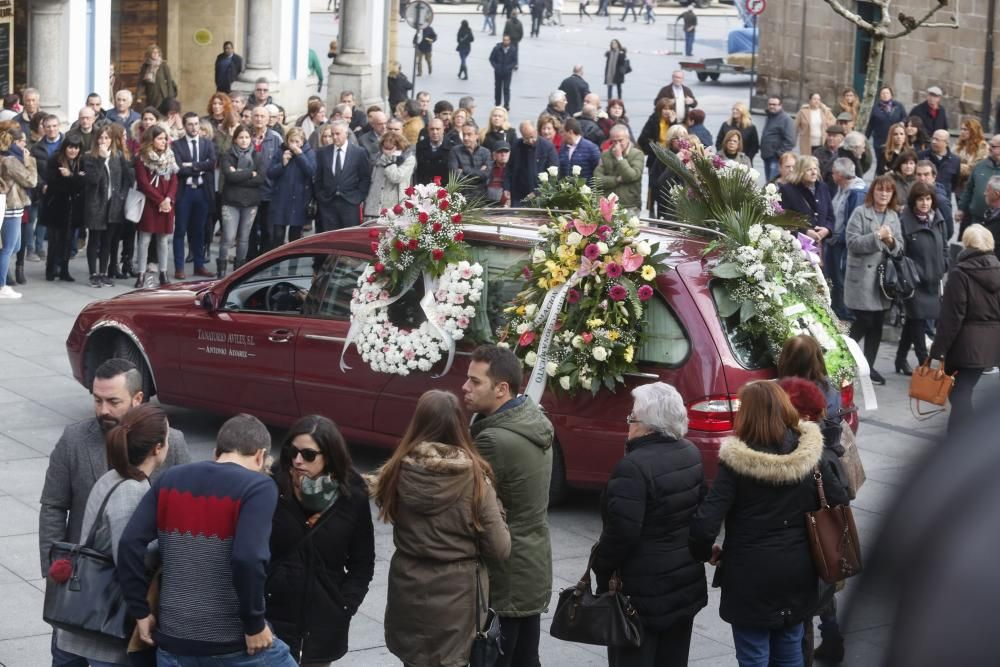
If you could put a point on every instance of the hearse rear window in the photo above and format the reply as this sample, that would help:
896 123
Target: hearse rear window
752 352
666 343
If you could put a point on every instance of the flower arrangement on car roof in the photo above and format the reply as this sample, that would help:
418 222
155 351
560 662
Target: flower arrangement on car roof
775 280
421 238
578 322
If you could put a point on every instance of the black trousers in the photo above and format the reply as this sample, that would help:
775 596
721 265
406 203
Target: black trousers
536 25
667 648
501 89
260 236
519 641
126 239
60 241
98 250
278 234
614 85
961 397
867 325
912 335
338 214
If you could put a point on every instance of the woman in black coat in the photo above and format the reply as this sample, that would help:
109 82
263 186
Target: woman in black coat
322 543
615 66
764 487
741 121
108 177
647 506
926 243
465 39
398 86
968 327
63 205
807 194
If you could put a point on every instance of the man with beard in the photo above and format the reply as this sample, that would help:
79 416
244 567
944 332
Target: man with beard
80 458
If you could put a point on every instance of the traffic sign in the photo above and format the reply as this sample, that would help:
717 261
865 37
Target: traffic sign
419 15
755 7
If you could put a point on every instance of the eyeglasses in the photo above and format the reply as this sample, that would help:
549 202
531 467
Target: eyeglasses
631 419
308 455
262 90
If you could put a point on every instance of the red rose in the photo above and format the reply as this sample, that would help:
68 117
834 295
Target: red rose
371 278
444 205
423 217
459 236
408 204
587 337
414 244
409 191
437 254
526 339
374 246
383 211
436 227
60 570
457 218
400 245
437 180
379 267
397 209
374 233
442 193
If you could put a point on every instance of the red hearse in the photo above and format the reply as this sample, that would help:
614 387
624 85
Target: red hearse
267 340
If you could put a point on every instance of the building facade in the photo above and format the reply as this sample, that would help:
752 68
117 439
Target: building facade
805 47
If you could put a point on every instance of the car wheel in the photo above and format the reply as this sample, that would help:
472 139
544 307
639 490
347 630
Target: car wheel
703 76
126 349
714 76
558 488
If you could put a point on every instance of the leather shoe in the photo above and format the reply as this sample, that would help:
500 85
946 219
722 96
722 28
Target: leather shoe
203 272
179 275
877 377
903 368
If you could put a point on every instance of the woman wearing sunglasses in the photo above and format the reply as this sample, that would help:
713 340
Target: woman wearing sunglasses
322 543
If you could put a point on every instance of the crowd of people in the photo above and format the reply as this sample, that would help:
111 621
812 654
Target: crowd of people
244 555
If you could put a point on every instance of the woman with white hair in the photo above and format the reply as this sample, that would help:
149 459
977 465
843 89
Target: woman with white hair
968 327
647 506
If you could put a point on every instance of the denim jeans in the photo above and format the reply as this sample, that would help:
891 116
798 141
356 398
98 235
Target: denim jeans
689 43
276 656
10 236
770 168
760 647
61 658
36 232
236 225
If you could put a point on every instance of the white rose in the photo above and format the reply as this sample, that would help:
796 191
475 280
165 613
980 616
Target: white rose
564 382
530 309
522 327
576 169
543 177
553 171
754 232
602 247
754 174
644 248
551 369
577 342
503 344
531 358
574 238
775 234
585 382
538 256
584 190
771 189
600 353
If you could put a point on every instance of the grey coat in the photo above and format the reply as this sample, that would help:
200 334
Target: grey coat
864 254
75 464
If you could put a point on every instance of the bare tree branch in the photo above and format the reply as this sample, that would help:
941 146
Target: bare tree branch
839 8
913 24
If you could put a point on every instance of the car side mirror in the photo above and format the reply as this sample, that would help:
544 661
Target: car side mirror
209 302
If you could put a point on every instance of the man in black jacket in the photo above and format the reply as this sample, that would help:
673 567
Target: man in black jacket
425 44
503 58
228 66
529 156
947 163
343 176
576 88
931 112
432 154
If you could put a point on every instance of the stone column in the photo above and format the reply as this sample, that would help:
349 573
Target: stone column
45 67
352 69
257 46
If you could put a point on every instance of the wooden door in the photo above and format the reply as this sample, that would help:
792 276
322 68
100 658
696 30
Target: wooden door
135 24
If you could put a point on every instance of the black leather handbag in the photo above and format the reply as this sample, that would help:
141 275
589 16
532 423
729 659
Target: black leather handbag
897 277
486 645
608 619
82 594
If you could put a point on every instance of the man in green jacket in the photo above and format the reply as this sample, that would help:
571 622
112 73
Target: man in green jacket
972 206
620 169
516 438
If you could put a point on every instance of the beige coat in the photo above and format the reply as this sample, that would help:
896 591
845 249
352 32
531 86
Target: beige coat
802 126
16 179
430 610
390 178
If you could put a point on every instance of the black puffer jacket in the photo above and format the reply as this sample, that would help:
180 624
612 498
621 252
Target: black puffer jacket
767 575
314 589
647 507
968 330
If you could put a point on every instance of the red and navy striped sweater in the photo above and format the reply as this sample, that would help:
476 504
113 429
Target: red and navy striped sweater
213 522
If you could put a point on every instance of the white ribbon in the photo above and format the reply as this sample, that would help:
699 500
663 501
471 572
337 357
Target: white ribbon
864 373
552 305
427 304
359 318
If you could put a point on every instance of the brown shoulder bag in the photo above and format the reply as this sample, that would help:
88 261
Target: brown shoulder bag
833 538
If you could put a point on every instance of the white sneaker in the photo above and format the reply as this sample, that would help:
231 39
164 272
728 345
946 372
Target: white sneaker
991 371
7 292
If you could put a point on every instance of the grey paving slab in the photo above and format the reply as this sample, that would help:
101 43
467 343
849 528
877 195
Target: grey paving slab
39 438
22 477
21 611
12 450
16 518
19 554
30 651
18 367
46 389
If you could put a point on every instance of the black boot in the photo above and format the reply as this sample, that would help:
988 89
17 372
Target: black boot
19 274
64 274
903 368
140 280
220 268
128 271
163 278
831 651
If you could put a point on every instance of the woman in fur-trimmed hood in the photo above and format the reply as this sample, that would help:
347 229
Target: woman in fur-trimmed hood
764 487
437 492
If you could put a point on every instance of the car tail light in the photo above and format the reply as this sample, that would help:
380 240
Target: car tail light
713 413
847 395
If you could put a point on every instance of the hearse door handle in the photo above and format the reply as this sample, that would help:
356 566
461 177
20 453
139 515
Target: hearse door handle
280 336
644 376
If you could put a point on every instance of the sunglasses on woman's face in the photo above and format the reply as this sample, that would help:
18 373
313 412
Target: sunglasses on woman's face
308 455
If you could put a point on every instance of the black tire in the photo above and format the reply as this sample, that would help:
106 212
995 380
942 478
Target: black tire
701 4
126 349
703 76
714 77
558 488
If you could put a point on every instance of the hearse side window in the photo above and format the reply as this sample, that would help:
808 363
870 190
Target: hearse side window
500 286
338 279
666 341
280 287
752 352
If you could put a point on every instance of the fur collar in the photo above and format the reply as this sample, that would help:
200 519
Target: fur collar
775 468
439 458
